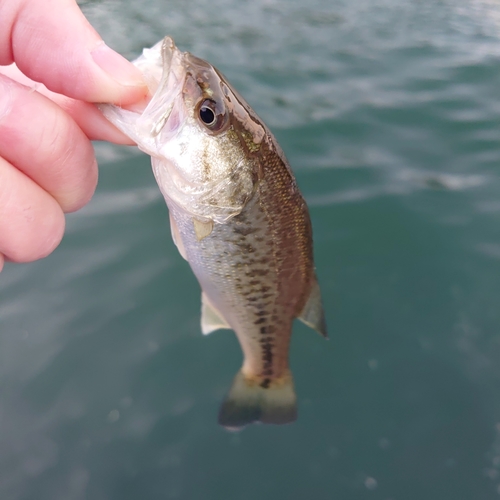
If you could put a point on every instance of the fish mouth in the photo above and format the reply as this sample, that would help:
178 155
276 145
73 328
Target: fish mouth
173 91
166 90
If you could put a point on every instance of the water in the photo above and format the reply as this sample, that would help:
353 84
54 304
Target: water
389 114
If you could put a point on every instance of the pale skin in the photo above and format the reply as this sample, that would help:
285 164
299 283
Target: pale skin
53 65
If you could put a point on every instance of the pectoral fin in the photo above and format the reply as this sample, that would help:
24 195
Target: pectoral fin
202 229
313 315
211 319
177 237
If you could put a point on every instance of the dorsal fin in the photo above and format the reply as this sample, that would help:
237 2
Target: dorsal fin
313 315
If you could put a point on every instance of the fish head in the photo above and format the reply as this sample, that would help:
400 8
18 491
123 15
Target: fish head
187 97
203 138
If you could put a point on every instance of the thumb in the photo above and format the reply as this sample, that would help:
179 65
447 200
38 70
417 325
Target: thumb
53 43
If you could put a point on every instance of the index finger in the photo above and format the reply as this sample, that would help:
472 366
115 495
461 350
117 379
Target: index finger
53 43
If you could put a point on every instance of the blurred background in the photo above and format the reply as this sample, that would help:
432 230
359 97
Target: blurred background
389 113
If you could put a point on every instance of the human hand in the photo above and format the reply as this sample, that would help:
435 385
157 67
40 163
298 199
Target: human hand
47 163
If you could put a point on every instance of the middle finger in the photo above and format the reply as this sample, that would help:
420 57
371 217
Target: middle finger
45 143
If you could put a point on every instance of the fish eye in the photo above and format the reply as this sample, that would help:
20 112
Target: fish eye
207 114
211 115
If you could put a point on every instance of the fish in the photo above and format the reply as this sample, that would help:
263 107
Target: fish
237 217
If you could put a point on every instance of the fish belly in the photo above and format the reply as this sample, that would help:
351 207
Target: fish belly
256 286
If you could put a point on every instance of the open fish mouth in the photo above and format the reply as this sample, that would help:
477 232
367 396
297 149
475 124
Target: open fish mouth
168 88
163 69
177 82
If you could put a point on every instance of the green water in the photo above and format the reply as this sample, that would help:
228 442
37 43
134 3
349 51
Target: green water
389 112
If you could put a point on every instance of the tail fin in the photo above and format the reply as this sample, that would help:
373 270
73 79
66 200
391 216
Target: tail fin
270 401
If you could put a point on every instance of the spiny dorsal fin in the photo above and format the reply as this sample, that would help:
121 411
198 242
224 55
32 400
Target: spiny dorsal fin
313 315
211 319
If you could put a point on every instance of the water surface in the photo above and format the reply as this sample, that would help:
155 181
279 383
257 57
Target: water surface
389 113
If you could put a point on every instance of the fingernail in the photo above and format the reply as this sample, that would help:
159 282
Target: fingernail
5 97
117 67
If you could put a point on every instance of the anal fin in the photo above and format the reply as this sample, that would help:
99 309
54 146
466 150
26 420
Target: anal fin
211 319
313 315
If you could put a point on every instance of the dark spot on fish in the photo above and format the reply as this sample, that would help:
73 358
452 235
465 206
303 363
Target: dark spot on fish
244 230
263 329
266 340
254 282
265 383
243 248
233 176
261 313
261 272
267 355
260 321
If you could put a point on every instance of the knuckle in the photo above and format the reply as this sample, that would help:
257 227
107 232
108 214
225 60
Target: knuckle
31 221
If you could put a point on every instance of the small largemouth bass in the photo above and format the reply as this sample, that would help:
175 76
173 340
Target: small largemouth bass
236 216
